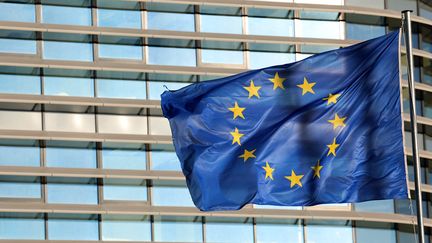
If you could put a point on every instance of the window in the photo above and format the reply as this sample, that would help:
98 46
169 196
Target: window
120 51
170 21
21 120
229 230
400 5
163 157
122 89
177 229
22 226
19 153
17 46
375 232
119 18
177 56
19 84
269 230
67 226
123 158
20 187
125 190
280 27
366 3
73 51
320 231
319 29
126 228
171 193
69 122
380 206
68 86
122 124
72 190
361 28
66 15
71 154
17 12
157 88
221 24
222 56
266 59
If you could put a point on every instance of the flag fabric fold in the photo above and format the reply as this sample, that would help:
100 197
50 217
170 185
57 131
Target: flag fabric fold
327 129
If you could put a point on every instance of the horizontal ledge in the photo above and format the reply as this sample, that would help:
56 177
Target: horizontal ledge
115 209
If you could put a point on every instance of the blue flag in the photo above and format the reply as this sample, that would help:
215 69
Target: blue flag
327 129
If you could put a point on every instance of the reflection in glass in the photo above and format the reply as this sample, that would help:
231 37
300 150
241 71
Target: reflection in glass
329 231
163 157
222 56
19 155
171 193
72 191
379 206
279 27
125 190
67 86
171 56
372 232
119 18
221 24
126 228
17 46
17 12
267 59
71 157
177 229
19 84
157 88
120 51
170 21
124 159
20 187
227 230
122 89
72 227
22 226
269 230
319 29
73 51
66 15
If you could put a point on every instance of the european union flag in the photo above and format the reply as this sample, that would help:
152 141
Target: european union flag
327 129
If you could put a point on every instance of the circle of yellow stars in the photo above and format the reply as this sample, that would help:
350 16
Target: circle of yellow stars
306 88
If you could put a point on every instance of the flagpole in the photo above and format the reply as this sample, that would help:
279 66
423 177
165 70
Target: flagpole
406 17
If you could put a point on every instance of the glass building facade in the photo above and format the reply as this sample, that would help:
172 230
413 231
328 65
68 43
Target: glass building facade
85 154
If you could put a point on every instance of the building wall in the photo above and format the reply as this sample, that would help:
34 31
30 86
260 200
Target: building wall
85 154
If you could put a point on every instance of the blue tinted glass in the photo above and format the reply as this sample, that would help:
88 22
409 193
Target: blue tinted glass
71 157
19 156
124 89
120 51
329 233
66 15
157 88
373 233
68 86
267 59
124 159
165 160
170 21
318 29
222 56
73 193
279 27
119 18
17 46
74 51
171 194
269 232
363 31
19 187
124 229
381 206
172 56
17 12
221 24
22 228
19 84
73 229
229 230
177 229
127 190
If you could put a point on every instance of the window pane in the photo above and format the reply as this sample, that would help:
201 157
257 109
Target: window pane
71 157
17 46
229 230
380 206
400 5
124 159
170 21
268 231
19 155
119 18
171 193
17 12
221 24
329 231
163 157
125 190
363 31
73 51
124 89
20 187
19 84
126 228
266 59
177 229
318 29
222 56
66 15
157 88
120 51
280 27
68 86
72 191
372 232
67 228
366 3
177 56
20 226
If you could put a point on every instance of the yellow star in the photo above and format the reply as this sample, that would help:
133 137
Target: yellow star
252 89
295 179
332 98
317 169
247 154
236 136
332 147
277 81
237 111
268 170
306 87
337 121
